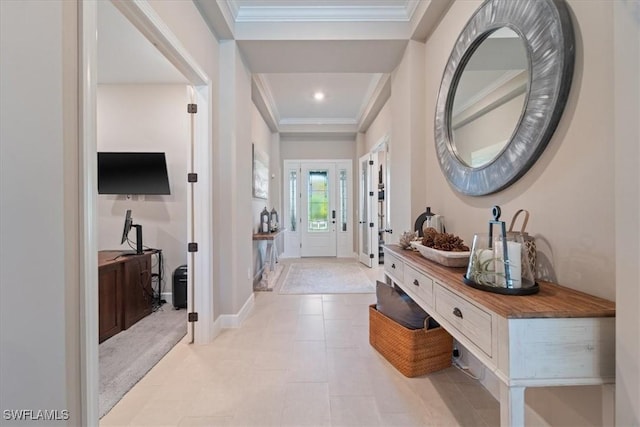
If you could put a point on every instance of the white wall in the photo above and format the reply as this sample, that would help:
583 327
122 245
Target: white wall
147 118
380 127
262 139
407 141
574 228
627 210
39 199
185 22
316 147
233 222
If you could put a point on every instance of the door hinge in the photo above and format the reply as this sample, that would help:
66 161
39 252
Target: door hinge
371 193
192 247
192 177
371 162
371 224
192 108
193 317
371 256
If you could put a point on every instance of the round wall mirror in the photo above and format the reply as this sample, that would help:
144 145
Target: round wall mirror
503 92
489 98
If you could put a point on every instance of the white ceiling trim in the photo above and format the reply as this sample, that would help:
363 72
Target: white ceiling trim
316 129
317 121
369 95
315 13
375 102
262 83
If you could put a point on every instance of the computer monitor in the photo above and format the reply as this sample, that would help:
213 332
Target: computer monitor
127 226
128 223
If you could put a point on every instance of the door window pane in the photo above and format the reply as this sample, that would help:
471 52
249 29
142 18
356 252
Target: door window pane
293 193
318 201
343 199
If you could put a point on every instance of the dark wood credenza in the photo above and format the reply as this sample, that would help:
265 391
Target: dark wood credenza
125 293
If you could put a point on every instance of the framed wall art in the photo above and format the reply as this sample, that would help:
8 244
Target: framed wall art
260 174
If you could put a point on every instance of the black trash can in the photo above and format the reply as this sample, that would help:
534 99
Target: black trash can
180 287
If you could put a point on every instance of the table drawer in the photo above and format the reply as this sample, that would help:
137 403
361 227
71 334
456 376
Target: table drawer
473 322
394 267
421 284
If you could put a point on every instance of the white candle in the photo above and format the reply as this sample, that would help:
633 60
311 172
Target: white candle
486 264
515 264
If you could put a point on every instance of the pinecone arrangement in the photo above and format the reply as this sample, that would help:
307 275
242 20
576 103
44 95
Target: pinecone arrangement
443 241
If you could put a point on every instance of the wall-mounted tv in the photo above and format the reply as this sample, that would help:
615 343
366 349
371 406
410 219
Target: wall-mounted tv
132 173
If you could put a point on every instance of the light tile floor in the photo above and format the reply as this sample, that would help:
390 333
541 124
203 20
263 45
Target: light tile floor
299 360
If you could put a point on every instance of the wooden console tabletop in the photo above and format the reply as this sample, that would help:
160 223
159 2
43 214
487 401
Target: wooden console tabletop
552 300
268 236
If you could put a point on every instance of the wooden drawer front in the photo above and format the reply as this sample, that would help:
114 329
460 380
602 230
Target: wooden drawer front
419 283
394 267
473 322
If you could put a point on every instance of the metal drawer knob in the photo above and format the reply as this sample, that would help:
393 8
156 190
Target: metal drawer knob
457 312
415 282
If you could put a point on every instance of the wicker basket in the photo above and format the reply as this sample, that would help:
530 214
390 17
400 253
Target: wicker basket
413 352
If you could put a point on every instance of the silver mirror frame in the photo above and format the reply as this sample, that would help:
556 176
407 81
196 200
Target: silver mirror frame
546 29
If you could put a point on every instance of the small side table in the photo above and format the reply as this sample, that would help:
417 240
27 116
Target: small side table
272 256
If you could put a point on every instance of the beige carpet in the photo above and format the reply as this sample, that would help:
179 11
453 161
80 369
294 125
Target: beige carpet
126 357
326 278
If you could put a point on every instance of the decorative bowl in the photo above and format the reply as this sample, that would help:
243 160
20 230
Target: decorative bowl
446 258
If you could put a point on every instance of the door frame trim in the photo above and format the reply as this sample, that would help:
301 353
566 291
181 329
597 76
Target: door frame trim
286 163
142 16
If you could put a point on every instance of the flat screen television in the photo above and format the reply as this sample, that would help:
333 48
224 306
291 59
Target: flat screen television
132 173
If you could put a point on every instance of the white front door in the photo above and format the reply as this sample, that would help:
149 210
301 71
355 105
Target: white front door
368 212
318 210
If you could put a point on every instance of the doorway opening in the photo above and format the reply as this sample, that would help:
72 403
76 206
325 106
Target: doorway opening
374 208
318 206
198 217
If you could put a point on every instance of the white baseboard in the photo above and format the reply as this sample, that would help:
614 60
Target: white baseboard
235 320
167 296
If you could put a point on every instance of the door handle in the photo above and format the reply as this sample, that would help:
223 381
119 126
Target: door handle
333 214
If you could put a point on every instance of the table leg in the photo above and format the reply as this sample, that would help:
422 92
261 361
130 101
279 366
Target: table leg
511 406
270 255
608 405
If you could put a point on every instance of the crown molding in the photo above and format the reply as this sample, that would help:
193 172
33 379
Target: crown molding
317 121
264 88
315 13
318 129
372 92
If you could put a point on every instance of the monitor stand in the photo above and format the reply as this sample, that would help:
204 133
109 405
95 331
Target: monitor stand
139 248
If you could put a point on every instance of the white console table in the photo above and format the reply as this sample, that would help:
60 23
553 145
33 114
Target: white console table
557 337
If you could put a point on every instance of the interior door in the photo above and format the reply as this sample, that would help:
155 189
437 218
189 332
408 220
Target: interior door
368 212
318 210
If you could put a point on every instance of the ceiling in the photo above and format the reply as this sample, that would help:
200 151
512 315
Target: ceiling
346 48
125 56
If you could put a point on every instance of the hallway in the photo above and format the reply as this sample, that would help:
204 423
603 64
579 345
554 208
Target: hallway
299 360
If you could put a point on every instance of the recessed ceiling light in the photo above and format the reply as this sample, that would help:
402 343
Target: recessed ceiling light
318 96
